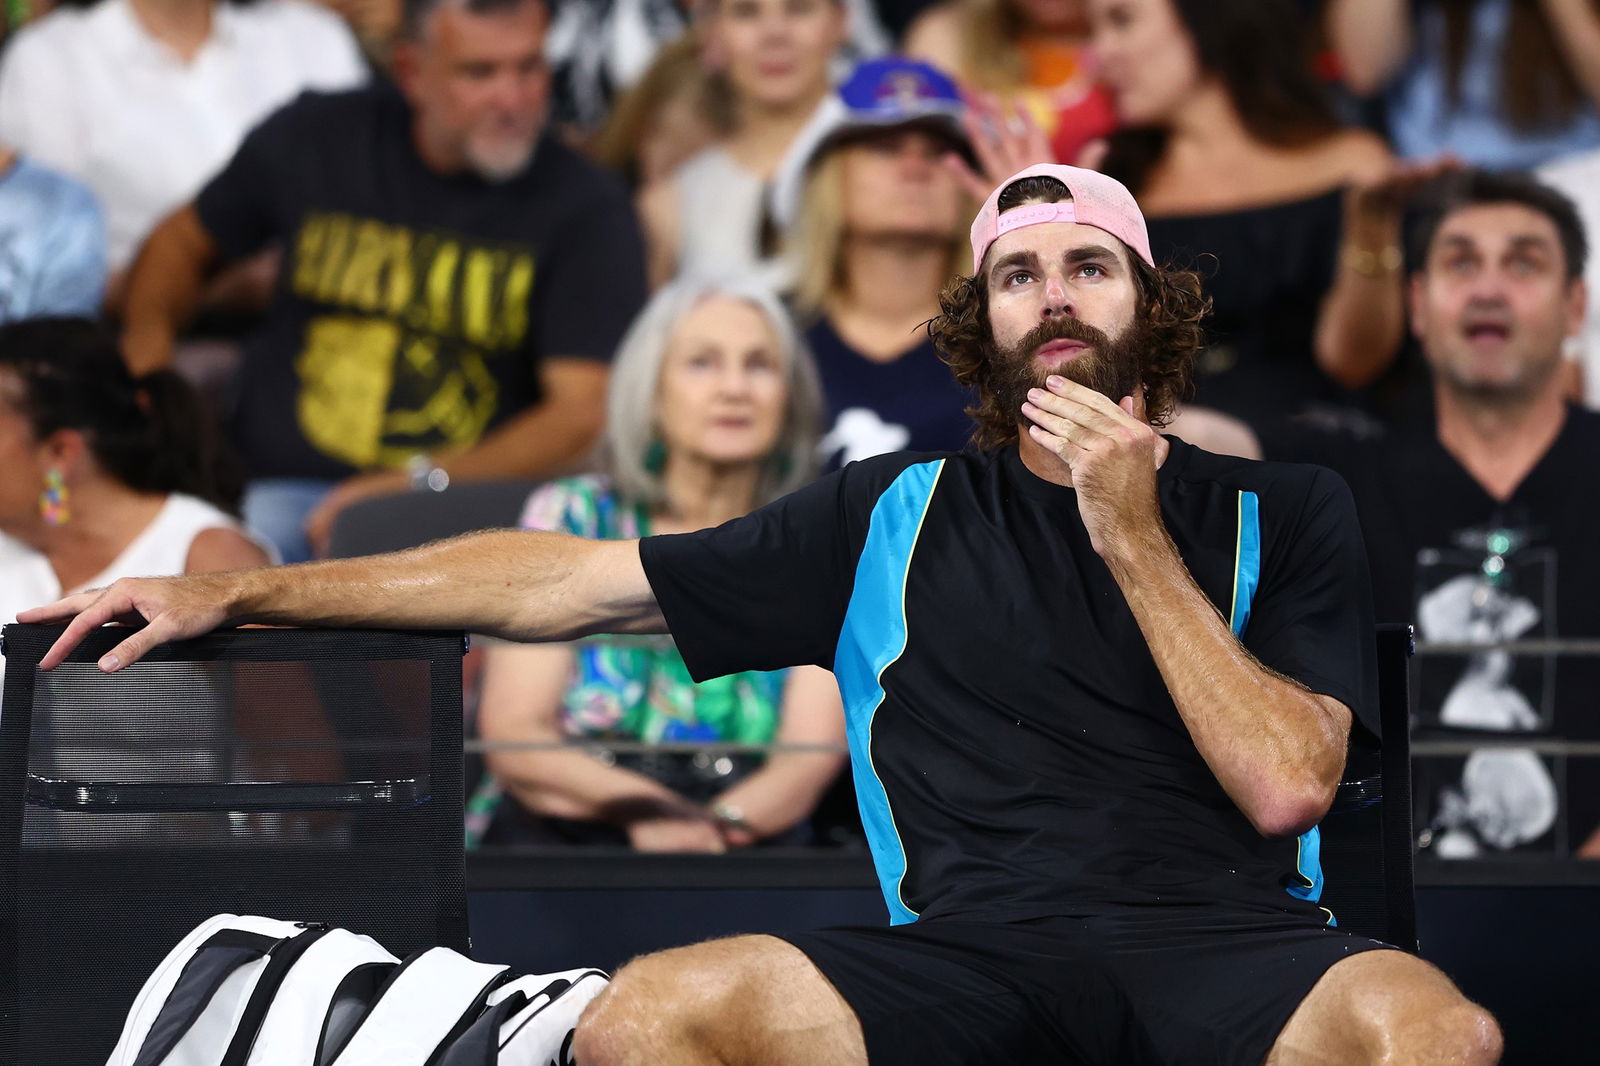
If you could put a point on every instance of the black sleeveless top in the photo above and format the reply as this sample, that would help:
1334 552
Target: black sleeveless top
1267 270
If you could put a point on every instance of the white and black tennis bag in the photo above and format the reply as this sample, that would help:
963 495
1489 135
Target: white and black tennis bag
249 991
524 1019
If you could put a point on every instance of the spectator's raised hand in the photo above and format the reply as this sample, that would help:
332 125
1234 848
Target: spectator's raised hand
1379 199
1005 139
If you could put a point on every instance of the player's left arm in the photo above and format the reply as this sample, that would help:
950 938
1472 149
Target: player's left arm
1276 747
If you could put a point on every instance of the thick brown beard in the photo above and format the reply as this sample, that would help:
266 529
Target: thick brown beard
1109 366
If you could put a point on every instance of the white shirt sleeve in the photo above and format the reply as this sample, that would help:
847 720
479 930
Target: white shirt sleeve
325 48
1578 177
37 114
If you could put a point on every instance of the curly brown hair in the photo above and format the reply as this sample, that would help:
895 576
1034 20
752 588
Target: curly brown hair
1172 302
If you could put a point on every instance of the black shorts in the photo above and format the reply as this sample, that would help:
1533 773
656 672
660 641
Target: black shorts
1142 985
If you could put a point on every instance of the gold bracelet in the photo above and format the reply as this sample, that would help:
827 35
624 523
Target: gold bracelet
1369 264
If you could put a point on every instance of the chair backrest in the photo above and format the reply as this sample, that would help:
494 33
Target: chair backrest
308 775
1367 843
407 519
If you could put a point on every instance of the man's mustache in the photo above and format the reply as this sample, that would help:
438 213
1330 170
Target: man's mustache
1064 328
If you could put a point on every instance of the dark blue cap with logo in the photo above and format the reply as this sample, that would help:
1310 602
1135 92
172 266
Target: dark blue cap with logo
880 94
892 90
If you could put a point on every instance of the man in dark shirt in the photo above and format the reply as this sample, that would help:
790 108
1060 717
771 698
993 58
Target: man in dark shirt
1478 525
439 311
1099 688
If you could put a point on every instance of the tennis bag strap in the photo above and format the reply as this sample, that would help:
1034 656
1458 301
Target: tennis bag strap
427 1002
528 1021
319 1000
191 1006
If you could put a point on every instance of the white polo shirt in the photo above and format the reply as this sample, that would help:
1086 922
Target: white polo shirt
1579 177
90 93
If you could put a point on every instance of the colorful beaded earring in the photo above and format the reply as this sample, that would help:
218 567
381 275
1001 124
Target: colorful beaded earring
53 501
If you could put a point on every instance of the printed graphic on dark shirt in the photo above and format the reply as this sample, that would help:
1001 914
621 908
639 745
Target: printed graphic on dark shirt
398 357
1489 588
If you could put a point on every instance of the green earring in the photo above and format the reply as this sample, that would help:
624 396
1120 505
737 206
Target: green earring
655 456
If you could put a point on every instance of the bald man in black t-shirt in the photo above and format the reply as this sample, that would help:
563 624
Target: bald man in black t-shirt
1099 688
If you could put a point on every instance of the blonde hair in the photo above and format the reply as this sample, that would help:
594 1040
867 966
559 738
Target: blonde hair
630 433
675 73
816 245
991 56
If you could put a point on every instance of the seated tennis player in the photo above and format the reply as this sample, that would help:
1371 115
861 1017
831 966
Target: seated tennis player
1099 683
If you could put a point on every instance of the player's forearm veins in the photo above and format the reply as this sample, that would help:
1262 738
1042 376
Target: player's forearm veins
1276 748
519 585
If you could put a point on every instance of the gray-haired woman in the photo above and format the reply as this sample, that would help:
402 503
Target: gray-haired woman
713 411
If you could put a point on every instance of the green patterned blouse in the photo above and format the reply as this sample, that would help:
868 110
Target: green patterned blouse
636 688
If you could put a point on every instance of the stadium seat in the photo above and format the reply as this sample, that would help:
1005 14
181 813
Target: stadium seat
407 519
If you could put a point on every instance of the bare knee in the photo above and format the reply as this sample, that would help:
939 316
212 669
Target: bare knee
604 1033
665 1006
1460 1033
1388 1007
644 1007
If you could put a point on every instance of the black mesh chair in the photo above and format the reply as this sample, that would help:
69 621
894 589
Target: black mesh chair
1366 837
407 519
310 775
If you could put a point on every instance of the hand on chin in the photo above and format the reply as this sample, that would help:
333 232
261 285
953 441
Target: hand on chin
1109 451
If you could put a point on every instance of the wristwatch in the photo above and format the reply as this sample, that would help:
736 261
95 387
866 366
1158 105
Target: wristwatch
426 476
732 816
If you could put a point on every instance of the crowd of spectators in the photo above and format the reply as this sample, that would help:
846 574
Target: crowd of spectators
429 230
1471 517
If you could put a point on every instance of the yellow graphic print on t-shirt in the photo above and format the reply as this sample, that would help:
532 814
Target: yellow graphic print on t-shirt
400 362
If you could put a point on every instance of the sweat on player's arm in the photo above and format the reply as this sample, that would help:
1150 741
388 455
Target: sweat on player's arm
519 585
1276 747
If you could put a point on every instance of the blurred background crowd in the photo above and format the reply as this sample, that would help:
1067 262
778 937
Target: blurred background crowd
281 279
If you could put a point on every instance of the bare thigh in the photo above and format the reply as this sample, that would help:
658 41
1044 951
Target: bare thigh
1385 1006
745 1000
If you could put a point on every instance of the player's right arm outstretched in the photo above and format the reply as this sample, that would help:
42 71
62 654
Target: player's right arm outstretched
518 585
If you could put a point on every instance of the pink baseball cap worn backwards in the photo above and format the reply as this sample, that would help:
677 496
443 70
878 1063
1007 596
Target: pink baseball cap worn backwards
1097 200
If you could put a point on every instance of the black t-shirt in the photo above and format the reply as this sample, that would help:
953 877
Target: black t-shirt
1466 568
1267 271
412 308
911 403
1015 750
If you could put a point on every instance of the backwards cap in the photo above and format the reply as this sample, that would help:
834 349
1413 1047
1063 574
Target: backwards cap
1097 200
